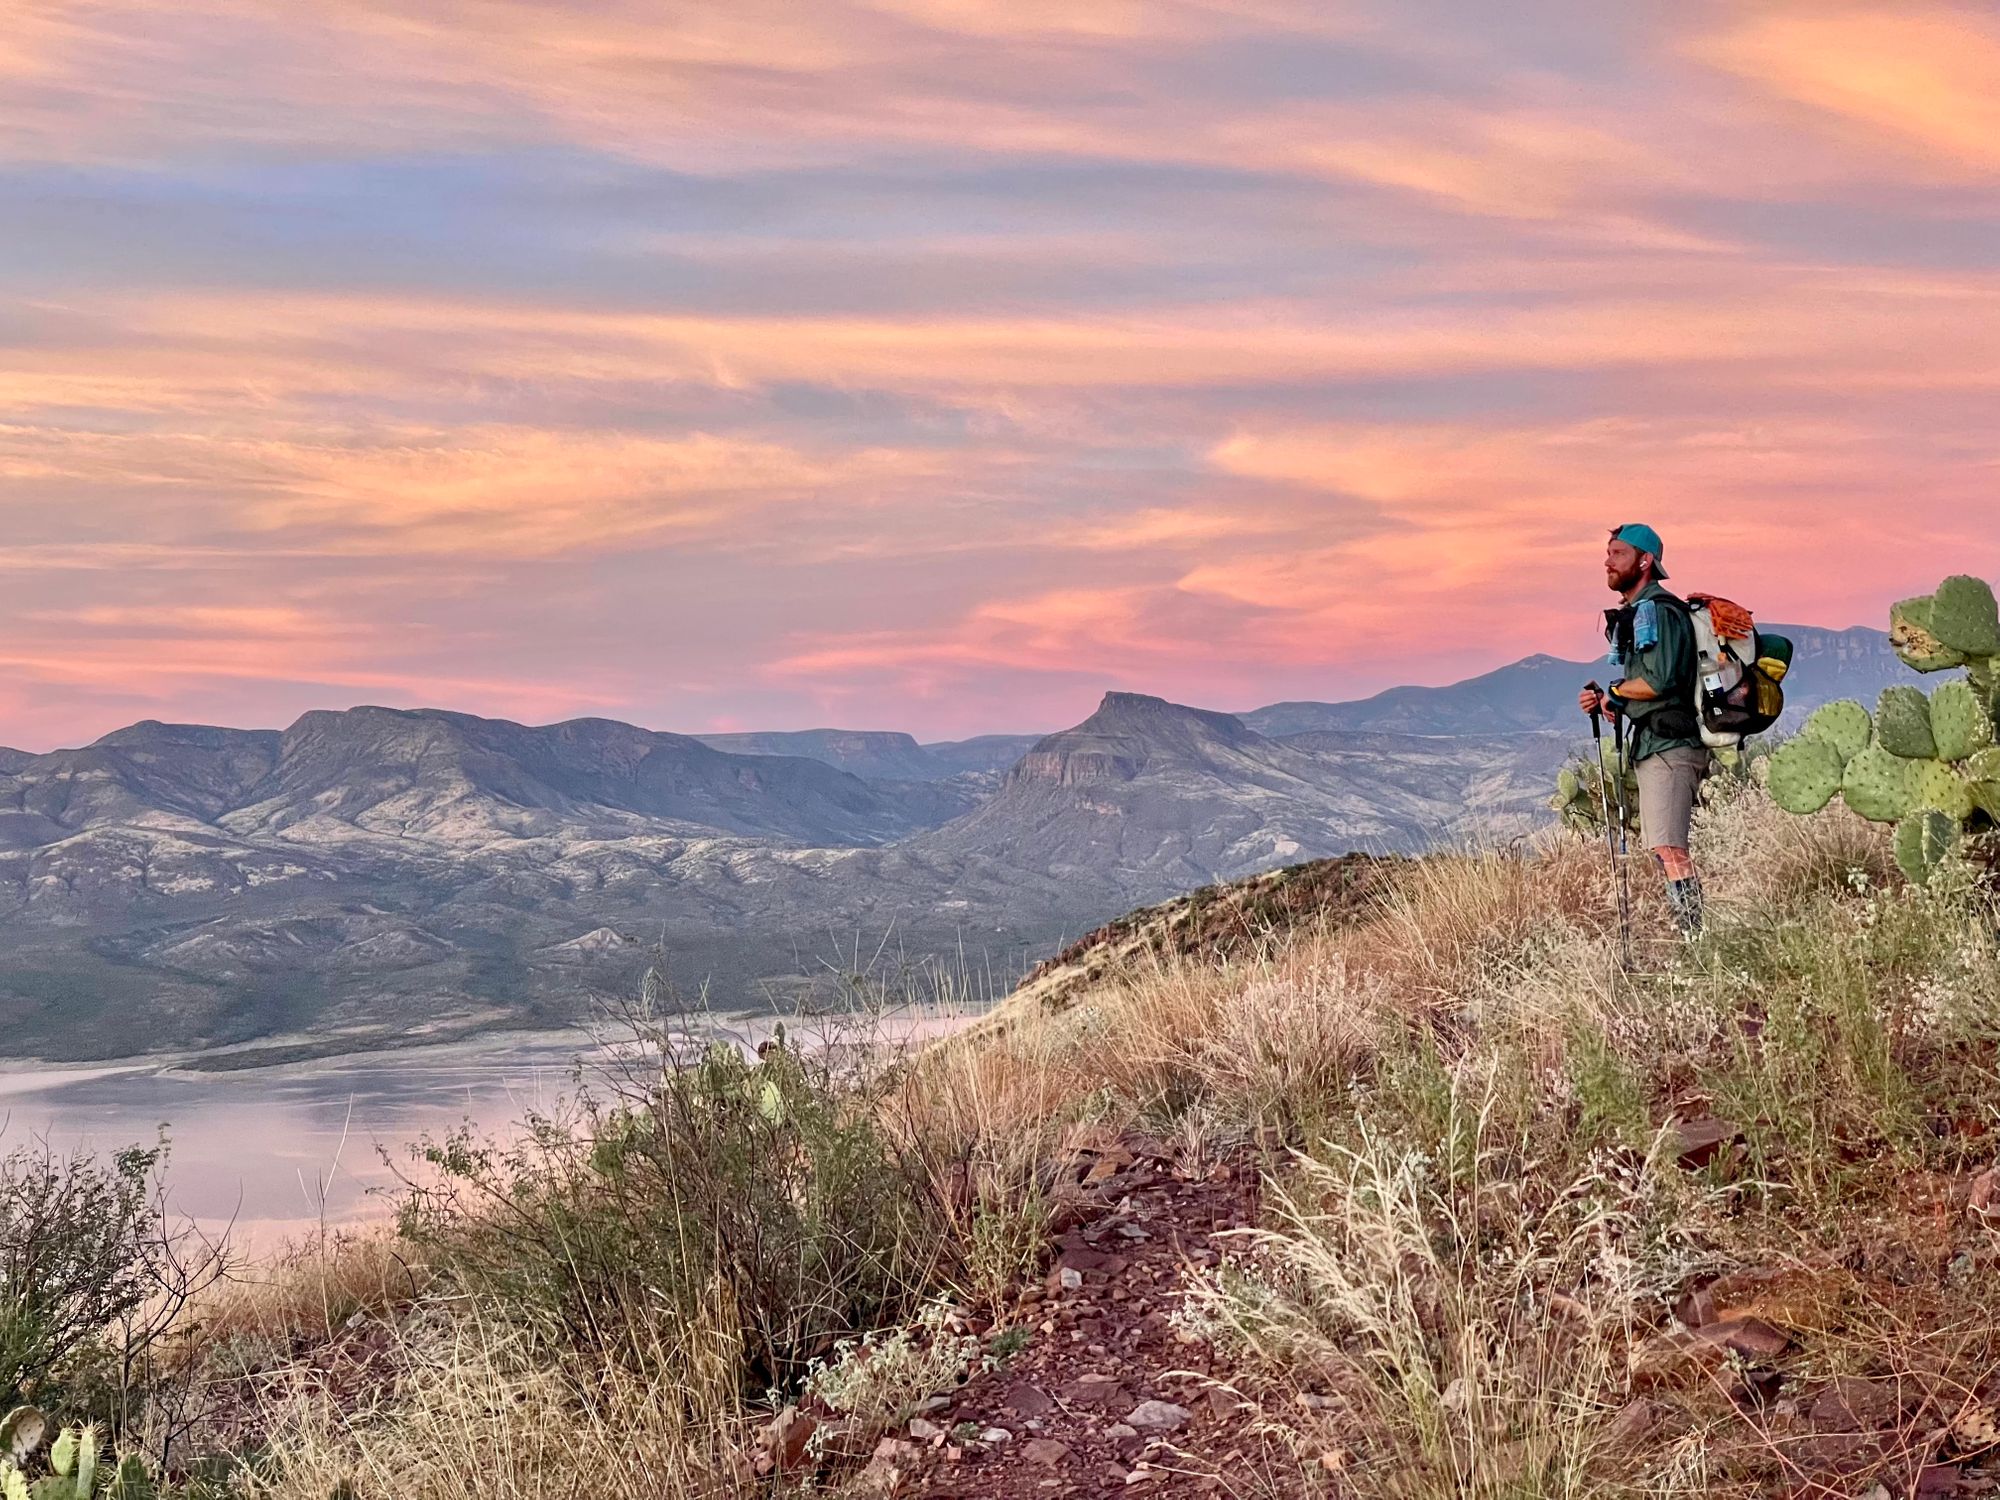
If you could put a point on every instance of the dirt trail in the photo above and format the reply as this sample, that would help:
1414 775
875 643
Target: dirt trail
1111 1395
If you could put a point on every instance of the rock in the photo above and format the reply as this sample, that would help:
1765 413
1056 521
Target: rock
1936 1479
887 1470
995 1436
1157 1416
787 1437
1119 1430
1069 1278
1696 1143
1684 1355
1752 1338
1102 1390
1045 1451
1221 1401
1984 1199
924 1431
1025 1400
1634 1423
1696 1309
1851 1404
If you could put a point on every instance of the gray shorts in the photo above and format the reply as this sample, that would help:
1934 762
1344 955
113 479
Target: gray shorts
1668 783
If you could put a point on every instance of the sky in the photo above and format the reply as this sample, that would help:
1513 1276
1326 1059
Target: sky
940 364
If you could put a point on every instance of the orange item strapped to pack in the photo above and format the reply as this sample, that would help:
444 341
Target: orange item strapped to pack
1731 621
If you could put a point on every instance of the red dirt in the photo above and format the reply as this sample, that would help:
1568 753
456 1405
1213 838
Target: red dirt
1101 1351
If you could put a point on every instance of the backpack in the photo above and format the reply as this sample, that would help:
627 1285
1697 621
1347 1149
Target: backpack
1737 672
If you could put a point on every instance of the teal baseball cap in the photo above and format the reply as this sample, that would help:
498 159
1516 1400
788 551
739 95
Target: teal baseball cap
1646 540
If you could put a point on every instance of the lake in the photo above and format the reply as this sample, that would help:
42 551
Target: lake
273 1153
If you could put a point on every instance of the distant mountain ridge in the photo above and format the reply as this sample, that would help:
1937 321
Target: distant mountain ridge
1538 693
378 874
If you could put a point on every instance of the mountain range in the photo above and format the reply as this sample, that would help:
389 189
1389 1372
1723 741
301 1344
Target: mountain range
375 876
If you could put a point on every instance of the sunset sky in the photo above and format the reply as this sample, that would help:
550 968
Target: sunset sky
938 364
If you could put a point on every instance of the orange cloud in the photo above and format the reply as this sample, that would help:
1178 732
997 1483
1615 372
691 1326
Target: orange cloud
490 492
1924 77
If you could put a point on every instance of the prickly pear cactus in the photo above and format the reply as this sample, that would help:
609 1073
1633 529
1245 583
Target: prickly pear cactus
1965 616
1804 774
132 1481
1935 785
1843 726
1912 638
72 1466
1579 800
1903 723
1925 840
22 1431
1879 785
1933 767
1960 723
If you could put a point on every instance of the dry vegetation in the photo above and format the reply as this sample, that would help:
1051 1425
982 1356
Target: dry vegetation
1483 1206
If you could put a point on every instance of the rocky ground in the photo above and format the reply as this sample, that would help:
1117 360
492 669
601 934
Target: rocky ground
1109 1392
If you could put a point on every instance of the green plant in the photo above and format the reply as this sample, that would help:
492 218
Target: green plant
878 1381
1931 766
751 1198
74 1471
1583 790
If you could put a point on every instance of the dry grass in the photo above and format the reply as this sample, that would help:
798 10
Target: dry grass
478 1414
311 1290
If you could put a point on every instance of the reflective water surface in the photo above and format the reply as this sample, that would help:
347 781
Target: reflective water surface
271 1153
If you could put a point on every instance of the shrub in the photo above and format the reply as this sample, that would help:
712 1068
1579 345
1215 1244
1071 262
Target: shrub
745 1205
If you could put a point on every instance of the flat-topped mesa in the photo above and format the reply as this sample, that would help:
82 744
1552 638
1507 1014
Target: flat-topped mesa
1128 732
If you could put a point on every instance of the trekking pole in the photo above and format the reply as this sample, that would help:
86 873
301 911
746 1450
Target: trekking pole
1614 838
1624 854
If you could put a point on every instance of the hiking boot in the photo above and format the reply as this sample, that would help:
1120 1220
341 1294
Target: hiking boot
1684 898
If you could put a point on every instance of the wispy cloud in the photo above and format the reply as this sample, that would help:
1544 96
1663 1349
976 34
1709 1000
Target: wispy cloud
946 361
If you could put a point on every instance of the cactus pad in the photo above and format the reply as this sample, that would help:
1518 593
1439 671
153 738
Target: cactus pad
1983 675
1936 785
1804 774
1982 774
1879 785
1911 635
1844 727
22 1431
1923 841
1959 721
1903 723
1965 617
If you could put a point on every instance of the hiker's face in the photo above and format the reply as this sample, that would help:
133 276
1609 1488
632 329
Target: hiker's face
1623 565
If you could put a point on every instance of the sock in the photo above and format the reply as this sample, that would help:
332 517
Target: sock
1684 896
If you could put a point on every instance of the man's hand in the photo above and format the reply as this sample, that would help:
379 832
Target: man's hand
1592 700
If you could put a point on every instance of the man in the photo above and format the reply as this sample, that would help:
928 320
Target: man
1652 644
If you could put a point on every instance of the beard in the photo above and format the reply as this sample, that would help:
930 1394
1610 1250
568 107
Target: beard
1625 582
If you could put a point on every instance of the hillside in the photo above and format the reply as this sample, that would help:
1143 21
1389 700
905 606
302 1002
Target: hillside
1368 1179
1156 796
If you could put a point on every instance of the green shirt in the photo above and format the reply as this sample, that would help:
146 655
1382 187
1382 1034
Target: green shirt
1667 666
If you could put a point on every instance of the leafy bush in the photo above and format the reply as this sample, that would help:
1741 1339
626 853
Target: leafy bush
742 1214
77 1249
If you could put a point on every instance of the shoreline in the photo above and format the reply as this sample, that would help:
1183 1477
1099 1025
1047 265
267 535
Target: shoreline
273 1054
